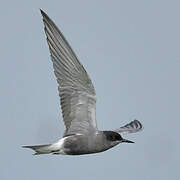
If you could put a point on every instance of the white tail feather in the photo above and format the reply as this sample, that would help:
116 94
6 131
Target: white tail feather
48 148
41 149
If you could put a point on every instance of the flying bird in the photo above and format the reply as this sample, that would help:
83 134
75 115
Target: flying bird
78 103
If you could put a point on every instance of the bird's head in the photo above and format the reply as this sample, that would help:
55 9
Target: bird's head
115 137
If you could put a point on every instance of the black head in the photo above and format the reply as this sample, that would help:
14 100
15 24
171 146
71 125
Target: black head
114 136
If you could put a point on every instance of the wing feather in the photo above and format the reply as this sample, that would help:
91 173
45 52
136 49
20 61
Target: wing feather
77 93
132 127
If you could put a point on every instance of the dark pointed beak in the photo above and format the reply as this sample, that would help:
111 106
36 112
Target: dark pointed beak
127 141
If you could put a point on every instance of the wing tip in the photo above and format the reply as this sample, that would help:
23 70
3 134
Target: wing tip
137 124
42 12
44 15
132 127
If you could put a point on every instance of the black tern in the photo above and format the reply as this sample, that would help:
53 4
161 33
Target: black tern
78 103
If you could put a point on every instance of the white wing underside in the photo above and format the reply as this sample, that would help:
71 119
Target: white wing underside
77 94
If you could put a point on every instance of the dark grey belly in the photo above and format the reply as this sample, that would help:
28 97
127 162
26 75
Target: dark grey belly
79 144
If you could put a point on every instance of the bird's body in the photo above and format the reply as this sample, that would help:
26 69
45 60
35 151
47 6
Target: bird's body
77 144
78 103
86 144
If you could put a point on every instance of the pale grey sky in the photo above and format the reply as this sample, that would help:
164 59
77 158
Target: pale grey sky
131 50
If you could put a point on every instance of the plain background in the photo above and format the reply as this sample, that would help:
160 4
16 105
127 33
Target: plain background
131 50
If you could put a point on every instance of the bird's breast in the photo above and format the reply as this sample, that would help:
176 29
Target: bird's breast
85 144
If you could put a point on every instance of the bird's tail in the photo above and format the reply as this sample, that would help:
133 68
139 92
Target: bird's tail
41 149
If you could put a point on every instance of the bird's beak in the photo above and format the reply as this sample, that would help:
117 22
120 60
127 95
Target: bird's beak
127 141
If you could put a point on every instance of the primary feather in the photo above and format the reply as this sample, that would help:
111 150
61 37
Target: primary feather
132 127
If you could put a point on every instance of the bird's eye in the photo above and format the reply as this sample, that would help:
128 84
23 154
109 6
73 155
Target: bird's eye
112 137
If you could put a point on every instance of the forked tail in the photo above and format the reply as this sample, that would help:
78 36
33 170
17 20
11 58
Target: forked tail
41 149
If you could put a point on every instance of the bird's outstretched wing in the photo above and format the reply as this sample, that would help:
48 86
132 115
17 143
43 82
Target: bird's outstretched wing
132 127
77 94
